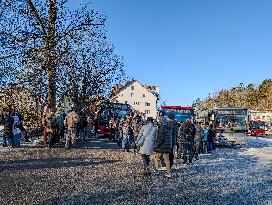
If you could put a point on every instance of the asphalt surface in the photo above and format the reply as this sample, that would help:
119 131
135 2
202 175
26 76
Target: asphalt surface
99 172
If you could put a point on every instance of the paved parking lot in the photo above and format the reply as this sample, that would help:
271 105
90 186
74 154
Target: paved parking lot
98 172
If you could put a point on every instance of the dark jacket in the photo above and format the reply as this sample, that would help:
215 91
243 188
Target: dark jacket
211 135
187 132
165 139
8 123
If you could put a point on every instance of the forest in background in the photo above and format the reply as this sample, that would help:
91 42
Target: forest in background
253 97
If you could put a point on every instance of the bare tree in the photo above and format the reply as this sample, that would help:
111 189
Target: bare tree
33 33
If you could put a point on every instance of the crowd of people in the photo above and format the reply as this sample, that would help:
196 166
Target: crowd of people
164 138
54 125
13 131
71 126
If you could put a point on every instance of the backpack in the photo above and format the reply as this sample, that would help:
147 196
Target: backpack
59 119
188 132
52 123
71 120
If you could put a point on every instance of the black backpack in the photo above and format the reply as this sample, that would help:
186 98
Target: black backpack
52 123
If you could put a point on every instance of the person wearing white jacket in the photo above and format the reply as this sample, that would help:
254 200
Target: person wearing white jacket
147 137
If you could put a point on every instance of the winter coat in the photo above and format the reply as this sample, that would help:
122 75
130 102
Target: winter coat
149 133
59 119
50 122
136 126
175 134
199 134
166 133
71 120
186 132
90 123
211 135
16 130
205 136
8 122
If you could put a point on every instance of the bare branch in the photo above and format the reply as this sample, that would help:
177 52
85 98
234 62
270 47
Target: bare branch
36 14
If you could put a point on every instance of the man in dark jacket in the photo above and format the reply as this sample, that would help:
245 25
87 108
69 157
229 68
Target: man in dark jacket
174 139
8 123
164 144
187 134
211 137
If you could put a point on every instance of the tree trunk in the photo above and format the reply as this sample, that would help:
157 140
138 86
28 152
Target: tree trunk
51 54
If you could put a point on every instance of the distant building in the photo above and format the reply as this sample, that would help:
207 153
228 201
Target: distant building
142 98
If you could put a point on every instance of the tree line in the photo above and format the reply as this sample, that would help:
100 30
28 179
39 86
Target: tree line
254 97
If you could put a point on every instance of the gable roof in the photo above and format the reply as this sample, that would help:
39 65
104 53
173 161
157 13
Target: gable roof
129 84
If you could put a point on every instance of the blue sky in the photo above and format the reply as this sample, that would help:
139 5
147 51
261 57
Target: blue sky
191 48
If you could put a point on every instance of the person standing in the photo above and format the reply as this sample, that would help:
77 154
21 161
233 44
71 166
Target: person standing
90 123
45 111
95 124
164 144
179 142
211 137
187 134
59 115
174 138
16 131
136 126
71 124
204 140
147 135
197 140
82 124
8 125
50 128
127 135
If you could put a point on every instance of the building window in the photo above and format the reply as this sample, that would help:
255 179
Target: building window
147 112
132 87
143 95
147 104
122 95
136 103
132 95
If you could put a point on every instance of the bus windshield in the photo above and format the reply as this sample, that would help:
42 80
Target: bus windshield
234 119
114 110
180 113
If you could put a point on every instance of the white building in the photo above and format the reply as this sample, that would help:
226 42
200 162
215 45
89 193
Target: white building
142 98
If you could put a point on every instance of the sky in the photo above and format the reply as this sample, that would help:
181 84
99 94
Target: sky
190 48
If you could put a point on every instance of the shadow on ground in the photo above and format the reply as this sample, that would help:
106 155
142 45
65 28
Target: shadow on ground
49 163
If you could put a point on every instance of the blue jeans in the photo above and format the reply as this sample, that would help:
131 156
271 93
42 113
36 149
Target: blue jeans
16 140
126 143
7 141
210 146
82 134
204 147
188 148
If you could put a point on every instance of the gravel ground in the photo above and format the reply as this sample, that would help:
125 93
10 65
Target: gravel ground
98 172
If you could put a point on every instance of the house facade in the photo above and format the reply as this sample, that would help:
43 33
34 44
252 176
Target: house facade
142 98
